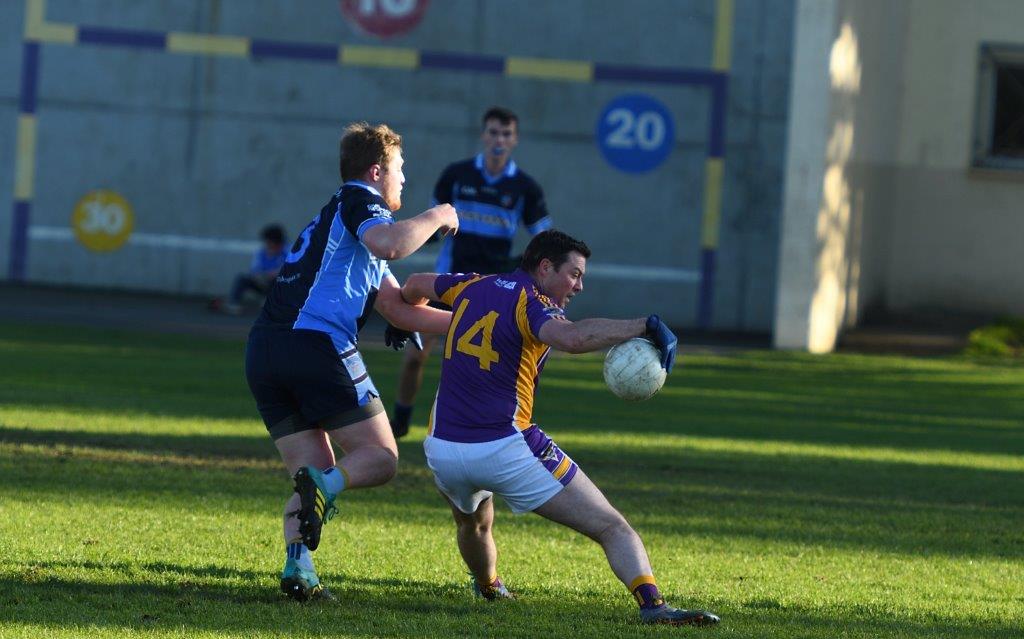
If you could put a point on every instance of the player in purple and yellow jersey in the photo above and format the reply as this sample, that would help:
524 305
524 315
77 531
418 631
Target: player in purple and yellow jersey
481 436
494 197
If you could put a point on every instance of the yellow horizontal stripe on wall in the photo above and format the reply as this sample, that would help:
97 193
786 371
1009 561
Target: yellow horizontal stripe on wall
712 203
205 44
550 69
388 57
25 161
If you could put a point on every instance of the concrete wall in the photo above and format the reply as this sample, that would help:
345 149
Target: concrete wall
842 141
958 236
881 212
217 147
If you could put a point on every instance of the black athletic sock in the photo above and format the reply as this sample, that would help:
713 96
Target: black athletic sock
400 420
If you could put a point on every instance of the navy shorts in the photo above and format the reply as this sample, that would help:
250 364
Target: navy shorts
301 382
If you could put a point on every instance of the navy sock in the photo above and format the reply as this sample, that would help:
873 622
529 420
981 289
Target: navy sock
402 418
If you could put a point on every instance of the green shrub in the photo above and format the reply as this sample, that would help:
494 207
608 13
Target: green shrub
1004 338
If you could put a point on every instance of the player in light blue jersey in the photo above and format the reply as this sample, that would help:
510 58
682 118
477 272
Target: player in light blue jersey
482 440
304 370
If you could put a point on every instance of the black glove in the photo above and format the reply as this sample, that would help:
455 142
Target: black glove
664 339
397 338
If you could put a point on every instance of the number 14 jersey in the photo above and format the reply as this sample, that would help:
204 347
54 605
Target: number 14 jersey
492 355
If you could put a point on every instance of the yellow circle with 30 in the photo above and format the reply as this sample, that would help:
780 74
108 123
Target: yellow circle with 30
102 220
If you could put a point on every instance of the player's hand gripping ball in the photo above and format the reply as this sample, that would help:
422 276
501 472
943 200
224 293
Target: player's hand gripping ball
633 369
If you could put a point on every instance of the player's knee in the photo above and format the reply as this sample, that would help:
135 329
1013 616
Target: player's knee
473 528
388 463
616 528
415 360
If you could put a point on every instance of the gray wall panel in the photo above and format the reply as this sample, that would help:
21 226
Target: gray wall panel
217 147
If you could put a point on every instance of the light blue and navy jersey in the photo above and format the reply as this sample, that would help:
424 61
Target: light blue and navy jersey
490 211
492 356
330 278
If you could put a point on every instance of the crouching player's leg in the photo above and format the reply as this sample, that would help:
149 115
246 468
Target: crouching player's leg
582 507
476 545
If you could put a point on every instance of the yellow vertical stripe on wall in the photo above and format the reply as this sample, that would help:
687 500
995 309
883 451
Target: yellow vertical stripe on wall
206 44
721 59
35 14
25 162
713 168
543 69
385 57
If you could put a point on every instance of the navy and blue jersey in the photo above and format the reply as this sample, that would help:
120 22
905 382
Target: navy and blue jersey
490 211
330 279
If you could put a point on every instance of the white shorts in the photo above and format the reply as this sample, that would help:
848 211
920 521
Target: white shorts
526 469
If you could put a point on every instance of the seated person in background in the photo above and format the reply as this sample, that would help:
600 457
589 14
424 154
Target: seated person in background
267 261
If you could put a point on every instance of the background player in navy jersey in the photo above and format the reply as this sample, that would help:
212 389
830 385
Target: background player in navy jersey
481 438
493 196
301 362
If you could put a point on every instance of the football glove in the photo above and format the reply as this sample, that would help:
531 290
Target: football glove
397 338
664 339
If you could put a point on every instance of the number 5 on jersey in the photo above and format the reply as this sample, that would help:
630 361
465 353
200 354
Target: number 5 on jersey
482 351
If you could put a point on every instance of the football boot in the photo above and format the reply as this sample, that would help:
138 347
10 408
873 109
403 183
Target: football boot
317 504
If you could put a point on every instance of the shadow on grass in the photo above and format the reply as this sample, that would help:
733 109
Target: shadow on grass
799 499
823 404
229 447
120 597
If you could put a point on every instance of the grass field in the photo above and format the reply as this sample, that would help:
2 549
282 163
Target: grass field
797 496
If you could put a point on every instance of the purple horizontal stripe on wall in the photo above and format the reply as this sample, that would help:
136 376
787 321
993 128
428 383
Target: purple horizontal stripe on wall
294 51
133 38
29 77
462 62
622 73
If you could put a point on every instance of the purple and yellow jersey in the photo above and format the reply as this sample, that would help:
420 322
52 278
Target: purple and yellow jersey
492 356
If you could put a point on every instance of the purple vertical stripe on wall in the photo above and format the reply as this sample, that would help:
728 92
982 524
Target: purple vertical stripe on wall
19 240
29 77
707 288
716 139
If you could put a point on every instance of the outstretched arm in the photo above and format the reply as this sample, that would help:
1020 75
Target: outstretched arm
419 288
593 334
410 317
590 334
398 240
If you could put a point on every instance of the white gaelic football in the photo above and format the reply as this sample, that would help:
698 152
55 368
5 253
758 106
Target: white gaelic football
633 369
